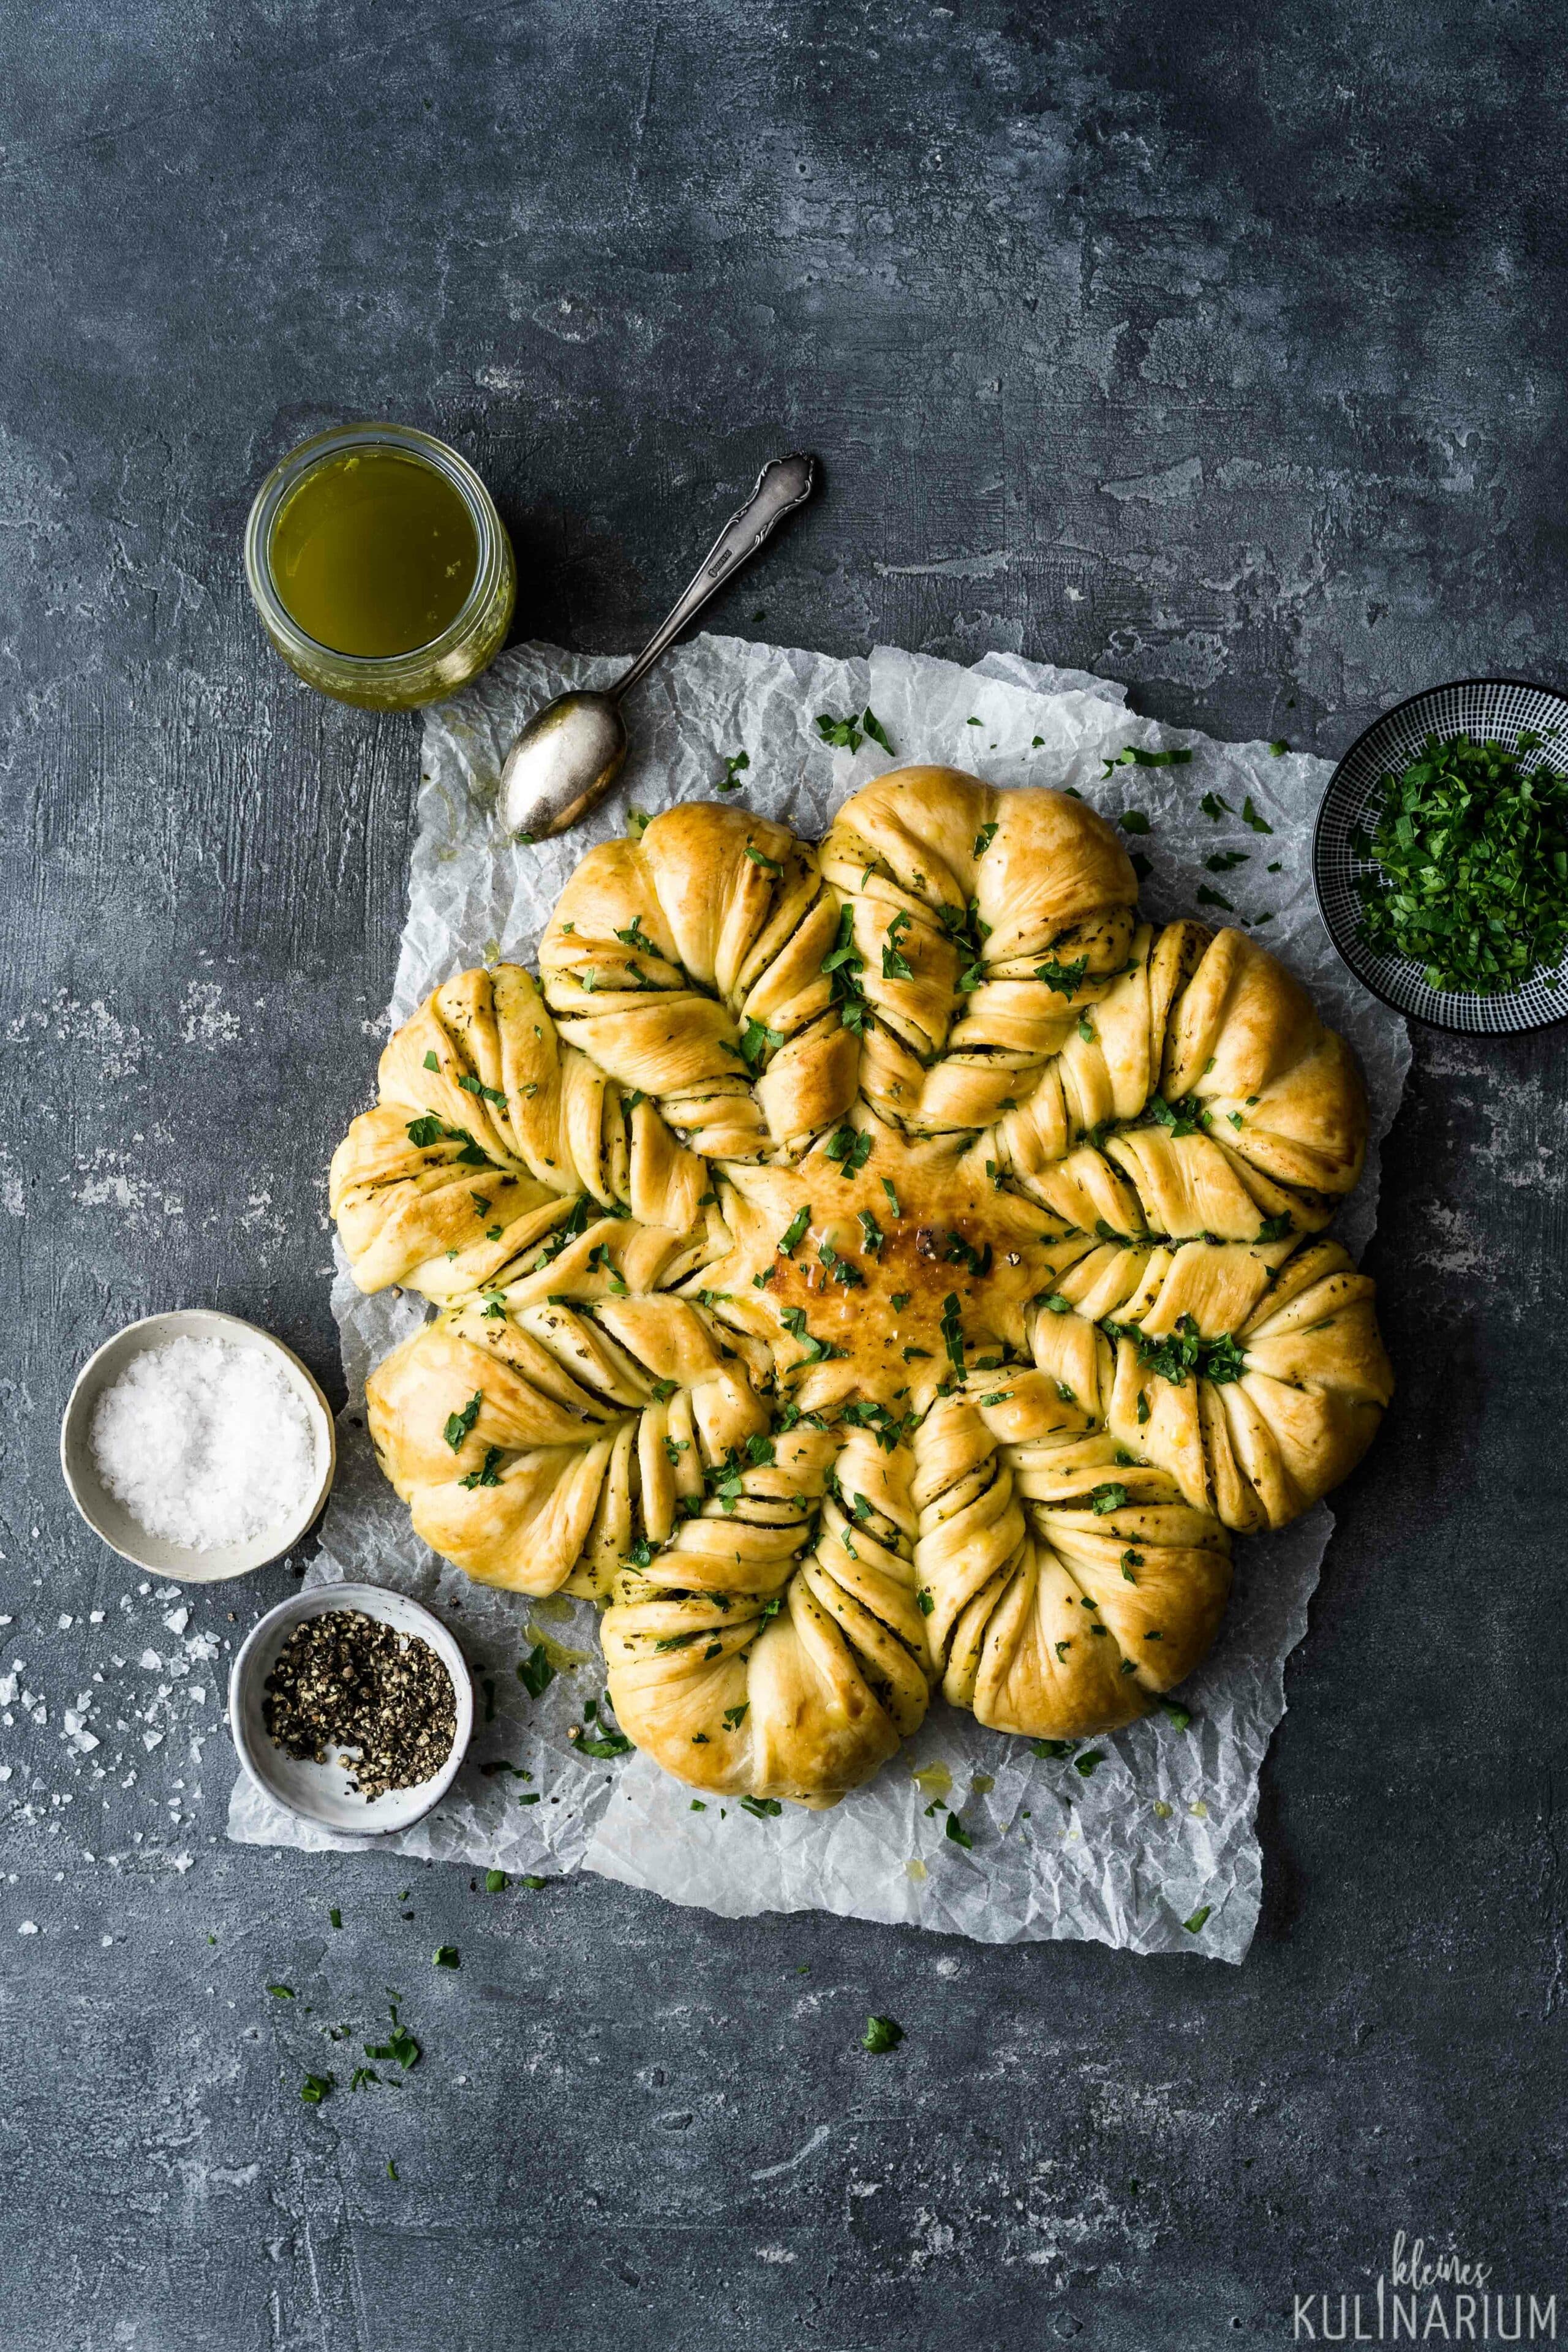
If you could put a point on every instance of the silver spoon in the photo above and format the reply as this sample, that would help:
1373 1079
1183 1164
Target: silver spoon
570 753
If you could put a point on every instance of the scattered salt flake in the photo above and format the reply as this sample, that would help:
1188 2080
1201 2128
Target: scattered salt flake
95 1616
105 1941
66 1623
151 1740
152 1660
28 1927
180 1862
4 1771
177 1620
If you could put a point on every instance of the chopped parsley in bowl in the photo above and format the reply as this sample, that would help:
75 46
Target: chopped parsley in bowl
1468 851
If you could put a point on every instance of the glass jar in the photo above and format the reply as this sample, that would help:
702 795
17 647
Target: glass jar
394 681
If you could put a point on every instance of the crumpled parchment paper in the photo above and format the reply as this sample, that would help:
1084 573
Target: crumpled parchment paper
1161 1828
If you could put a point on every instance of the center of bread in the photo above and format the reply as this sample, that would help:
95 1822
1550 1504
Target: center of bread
903 1263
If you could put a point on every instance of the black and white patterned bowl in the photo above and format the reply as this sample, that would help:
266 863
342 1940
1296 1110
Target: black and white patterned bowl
1478 706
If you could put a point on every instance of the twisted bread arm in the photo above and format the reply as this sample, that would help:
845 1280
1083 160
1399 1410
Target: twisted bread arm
1069 1587
776 1645
688 961
959 894
485 1130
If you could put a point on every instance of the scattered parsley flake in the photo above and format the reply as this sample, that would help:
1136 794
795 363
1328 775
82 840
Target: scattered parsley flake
757 1039
895 964
535 1672
1065 978
486 1475
462 1424
851 1147
1134 756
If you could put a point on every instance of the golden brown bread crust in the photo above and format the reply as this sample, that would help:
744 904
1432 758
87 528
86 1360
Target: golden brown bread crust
870 1268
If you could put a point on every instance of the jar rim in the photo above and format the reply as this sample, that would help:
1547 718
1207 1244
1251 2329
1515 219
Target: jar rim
286 477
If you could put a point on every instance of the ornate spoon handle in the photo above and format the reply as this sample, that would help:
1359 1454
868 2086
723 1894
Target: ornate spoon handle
784 484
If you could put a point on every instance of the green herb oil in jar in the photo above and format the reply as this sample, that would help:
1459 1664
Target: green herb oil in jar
374 552
380 567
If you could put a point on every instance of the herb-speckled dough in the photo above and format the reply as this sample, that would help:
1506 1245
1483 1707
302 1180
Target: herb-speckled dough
865 1268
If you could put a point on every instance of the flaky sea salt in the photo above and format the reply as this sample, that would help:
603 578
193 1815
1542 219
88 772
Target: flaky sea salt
204 1444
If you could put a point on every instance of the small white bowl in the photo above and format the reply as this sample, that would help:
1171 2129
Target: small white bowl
321 1791
111 1520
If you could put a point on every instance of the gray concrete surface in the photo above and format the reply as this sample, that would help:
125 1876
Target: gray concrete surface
1212 346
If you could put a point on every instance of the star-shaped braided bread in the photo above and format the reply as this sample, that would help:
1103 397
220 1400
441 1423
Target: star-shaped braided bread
868 1268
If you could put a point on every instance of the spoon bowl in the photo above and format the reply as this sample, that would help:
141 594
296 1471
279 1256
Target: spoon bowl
565 760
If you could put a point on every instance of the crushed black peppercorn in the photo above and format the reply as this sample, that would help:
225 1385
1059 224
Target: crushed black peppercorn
345 1680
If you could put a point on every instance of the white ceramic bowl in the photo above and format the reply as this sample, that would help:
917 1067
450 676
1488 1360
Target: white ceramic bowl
321 1791
113 1522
